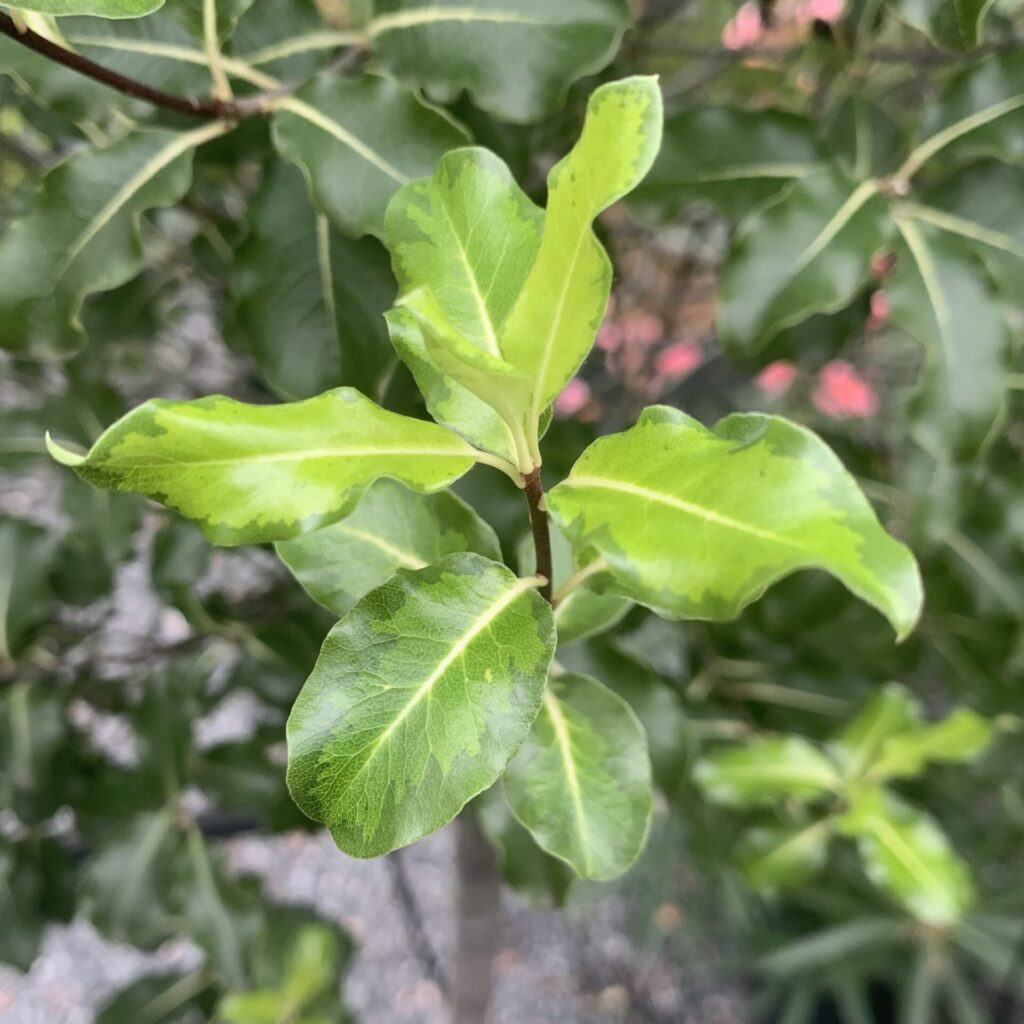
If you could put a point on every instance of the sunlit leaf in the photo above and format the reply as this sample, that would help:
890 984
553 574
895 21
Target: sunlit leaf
251 473
698 523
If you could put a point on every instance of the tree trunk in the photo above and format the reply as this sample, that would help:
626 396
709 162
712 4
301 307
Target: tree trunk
478 922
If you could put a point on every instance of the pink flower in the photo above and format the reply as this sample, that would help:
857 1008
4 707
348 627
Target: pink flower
744 29
609 337
777 378
639 328
679 360
822 10
574 397
843 393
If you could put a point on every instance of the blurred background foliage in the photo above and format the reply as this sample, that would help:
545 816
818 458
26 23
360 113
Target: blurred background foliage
834 231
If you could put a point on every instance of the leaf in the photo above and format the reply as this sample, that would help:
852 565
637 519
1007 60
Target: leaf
101 8
516 58
763 771
552 325
489 378
298 280
732 159
420 697
940 294
834 945
892 712
776 857
955 24
469 234
80 234
27 555
147 998
698 523
254 473
391 528
32 732
542 880
357 141
960 737
128 885
906 853
806 252
582 781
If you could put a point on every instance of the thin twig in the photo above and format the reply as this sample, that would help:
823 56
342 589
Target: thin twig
541 531
210 109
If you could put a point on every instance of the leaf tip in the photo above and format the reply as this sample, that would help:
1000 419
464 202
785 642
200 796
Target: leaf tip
64 456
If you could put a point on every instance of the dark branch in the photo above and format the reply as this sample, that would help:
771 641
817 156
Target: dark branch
541 532
210 109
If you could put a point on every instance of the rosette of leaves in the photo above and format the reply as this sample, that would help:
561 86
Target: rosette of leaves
439 678
844 790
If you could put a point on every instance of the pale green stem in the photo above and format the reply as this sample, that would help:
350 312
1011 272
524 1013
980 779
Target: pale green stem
211 41
579 577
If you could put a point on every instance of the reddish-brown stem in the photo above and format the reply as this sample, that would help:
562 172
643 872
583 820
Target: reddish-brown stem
210 109
541 531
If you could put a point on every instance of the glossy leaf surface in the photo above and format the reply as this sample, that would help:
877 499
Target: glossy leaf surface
80 235
775 857
582 781
733 159
100 8
307 300
552 325
806 252
358 140
252 473
698 523
391 528
516 58
420 697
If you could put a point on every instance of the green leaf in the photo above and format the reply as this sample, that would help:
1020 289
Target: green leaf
955 24
582 781
777 857
542 880
101 8
732 159
470 235
391 528
806 252
159 998
489 378
766 770
81 233
255 473
940 294
357 141
32 732
698 523
892 712
516 58
962 736
906 853
129 882
297 278
552 325
419 699
27 555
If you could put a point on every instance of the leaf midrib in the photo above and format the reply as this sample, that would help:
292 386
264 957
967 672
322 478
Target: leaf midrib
683 506
423 691
564 741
